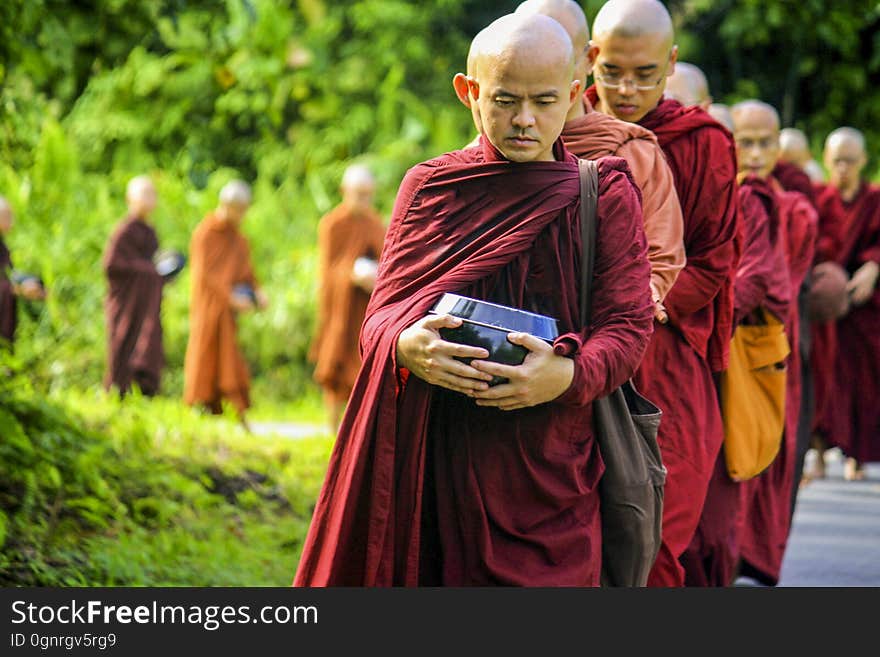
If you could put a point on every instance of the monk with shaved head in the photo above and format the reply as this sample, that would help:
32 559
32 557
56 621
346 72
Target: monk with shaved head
135 353
223 285
633 53
794 154
847 366
795 149
591 134
351 231
689 86
438 477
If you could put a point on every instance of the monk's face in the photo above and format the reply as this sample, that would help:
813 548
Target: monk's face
142 201
6 220
233 213
523 101
631 72
845 160
757 142
359 195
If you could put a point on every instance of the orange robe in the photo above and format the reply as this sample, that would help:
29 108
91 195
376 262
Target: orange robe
596 135
344 235
215 368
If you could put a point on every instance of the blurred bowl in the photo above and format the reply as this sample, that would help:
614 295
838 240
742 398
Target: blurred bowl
364 267
487 325
169 264
828 299
245 290
21 277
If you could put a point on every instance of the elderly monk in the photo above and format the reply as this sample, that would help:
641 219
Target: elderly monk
794 153
633 52
689 86
350 231
215 369
134 296
10 290
591 134
437 478
847 369
763 283
766 498
795 149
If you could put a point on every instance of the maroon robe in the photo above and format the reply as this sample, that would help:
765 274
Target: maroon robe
425 487
8 318
847 368
133 304
684 354
794 179
767 498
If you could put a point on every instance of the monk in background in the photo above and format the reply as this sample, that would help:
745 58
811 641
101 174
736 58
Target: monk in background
135 353
223 285
767 508
353 230
11 290
794 149
689 86
847 368
591 134
436 478
633 52
794 153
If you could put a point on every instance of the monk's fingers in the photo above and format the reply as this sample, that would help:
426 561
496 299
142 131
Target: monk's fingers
530 342
435 322
498 369
462 384
441 348
453 367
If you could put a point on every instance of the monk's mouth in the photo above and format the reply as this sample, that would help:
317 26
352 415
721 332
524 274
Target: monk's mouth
522 141
624 108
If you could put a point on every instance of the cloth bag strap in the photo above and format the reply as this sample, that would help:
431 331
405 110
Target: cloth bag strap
589 178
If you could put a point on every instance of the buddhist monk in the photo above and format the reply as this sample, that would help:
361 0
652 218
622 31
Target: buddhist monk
591 134
689 86
350 231
721 113
135 353
847 371
767 498
794 153
763 285
10 290
436 478
215 369
795 149
633 52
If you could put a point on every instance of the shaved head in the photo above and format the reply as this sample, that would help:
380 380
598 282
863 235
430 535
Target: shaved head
358 187
6 216
630 19
721 113
845 157
235 192
570 15
756 132
140 196
689 86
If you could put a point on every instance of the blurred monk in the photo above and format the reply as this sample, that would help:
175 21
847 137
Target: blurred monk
633 52
349 245
10 289
847 371
766 498
223 285
134 297
795 149
794 153
688 85
591 134
437 478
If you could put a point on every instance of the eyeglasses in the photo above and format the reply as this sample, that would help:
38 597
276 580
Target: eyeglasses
615 81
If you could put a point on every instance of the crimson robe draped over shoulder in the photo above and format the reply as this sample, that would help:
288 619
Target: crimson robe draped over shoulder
8 317
767 497
423 486
794 179
677 370
847 367
133 306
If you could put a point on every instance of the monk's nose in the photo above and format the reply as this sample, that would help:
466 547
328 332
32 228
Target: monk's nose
524 118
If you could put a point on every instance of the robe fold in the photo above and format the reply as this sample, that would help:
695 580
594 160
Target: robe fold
596 135
767 498
794 179
846 369
215 368
762 281
344 235
8 317
677 370
423 486
133 309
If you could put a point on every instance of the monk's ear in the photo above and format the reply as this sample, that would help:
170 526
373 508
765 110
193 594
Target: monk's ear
588 64
460 84
592 55
673 57
574 92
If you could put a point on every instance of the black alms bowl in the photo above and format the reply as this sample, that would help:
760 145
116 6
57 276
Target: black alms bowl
487 325
169 264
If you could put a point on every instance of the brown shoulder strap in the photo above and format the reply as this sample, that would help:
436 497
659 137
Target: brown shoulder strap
589 175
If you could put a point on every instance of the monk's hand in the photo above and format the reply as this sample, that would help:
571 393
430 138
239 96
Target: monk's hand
864 280
262 300
422 351
659 309
240 303
542 377
32 290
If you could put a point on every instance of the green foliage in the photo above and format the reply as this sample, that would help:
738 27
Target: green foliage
97 492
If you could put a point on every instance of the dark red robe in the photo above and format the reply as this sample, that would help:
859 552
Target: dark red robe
133 305
847 367
794 179
767 498
423 486
677 371
8 318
